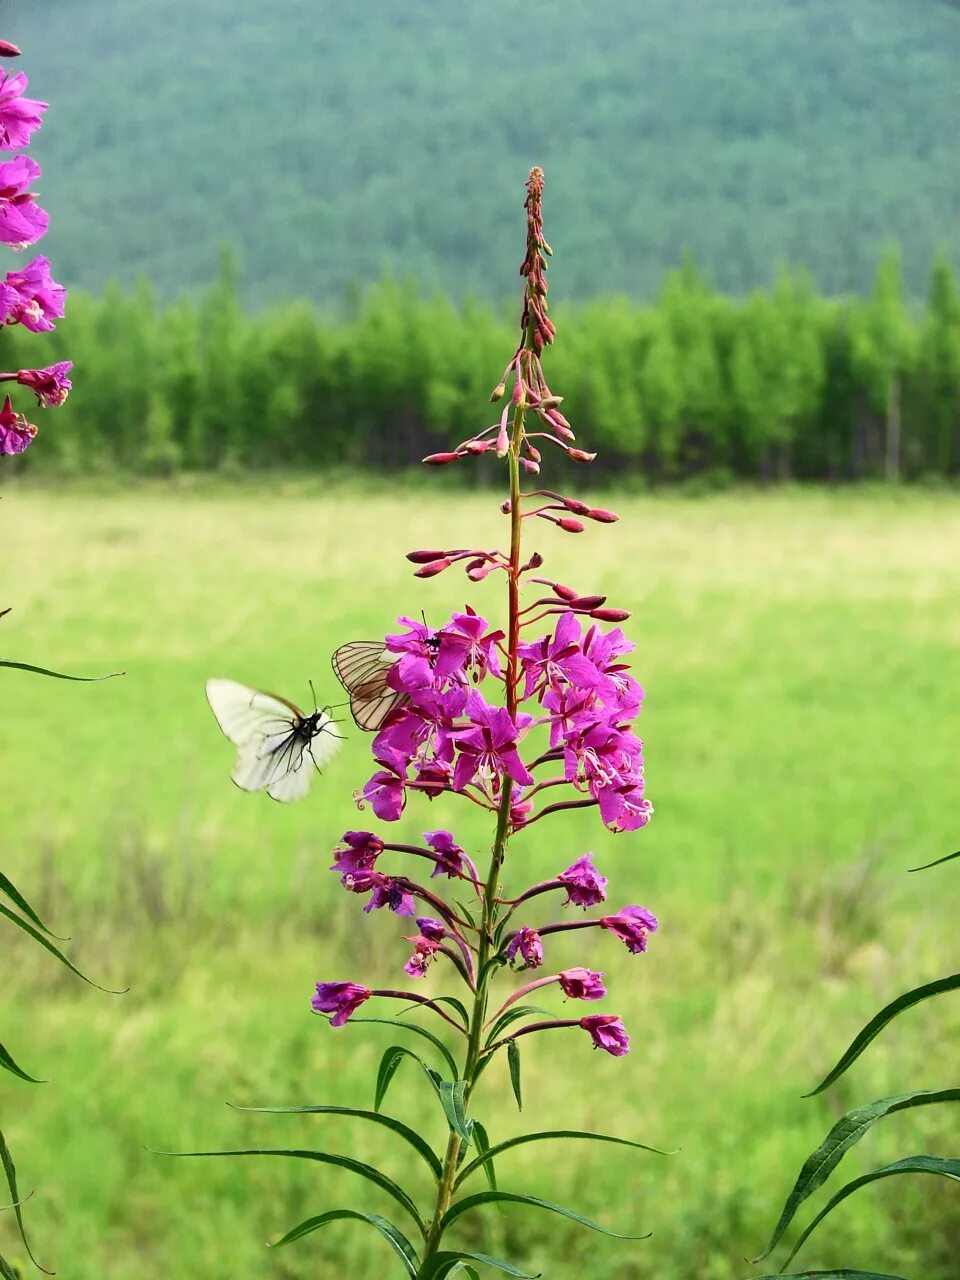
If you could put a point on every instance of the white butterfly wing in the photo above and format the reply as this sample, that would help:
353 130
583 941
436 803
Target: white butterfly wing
246 714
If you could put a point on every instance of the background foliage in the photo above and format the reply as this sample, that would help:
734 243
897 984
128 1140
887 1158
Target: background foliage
337 142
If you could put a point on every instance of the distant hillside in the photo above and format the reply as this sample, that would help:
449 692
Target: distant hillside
332 140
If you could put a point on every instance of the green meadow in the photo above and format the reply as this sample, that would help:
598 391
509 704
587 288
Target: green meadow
801 656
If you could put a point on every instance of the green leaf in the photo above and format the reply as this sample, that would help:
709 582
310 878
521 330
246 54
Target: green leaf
8 1064
322 1157
455 1004
392 1057
843 1274
519 1011
464 1268
848 1131
54 951
6 1271
945 1168
937 861
404 1131
445 1263
876 1025
513 1059
10 1172
485 1156
487 1153
451 1095
19 901
417 1030
495 962
58 675
509 1197
395 1238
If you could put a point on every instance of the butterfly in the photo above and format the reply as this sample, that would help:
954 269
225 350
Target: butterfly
276 743
362 667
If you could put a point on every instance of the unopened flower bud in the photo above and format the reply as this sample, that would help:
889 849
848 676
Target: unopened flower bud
535 561
570 526
581 455
503 442
587 603
610 615
517 390
565 593
423 557
432 569
497 392
602 516
505 507
576 507
8 50
477 446
531 468
479 570
551 402
532 451
440 459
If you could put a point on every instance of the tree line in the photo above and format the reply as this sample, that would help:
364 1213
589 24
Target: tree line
781 384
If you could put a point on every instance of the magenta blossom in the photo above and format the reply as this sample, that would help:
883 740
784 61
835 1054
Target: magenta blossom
466 642
417 647
631 925
435 930
449 853
385 891
51 386
22 221
424 950
357 851
489 749
557 660
339 998
385 790
582 984
585 886
608 1033
16 432
527 943
19 116
31 297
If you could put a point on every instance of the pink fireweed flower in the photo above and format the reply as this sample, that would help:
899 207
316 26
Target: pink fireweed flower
435 930
16 432
607 1032
384 792
339 998
32 297
22 221
557 660
357 851
385 891
585 886
19 116
490 749
51 386
465 642
424 951
526 943
582 984
417 649
449 853
631 925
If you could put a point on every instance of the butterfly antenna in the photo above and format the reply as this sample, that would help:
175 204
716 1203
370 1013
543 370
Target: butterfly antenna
313 694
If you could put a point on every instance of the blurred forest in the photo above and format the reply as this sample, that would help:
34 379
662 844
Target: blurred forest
337 143
782 384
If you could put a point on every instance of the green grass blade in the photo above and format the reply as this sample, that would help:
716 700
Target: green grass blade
420 1031
366 1171
944 1168
58 675
10 1173
509 1197
876 1025
388 1122
513 1060
393 1236
446 1262
37 936
949 857
488 1153
19 901
845 1134
7 1064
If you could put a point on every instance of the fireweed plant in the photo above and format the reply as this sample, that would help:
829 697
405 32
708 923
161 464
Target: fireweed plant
553 735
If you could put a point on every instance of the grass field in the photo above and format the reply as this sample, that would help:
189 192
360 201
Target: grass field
801 655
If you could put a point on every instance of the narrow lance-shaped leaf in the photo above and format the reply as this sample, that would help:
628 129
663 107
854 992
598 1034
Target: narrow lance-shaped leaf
944 1168
512 1015
392 1057
843 1274
322 1157
417 1030
8 1064
509 1197
10 1173
58 675
19 901
6 1271
443 1264
388 1122
54 951
846 1133
393 1236
486 1154
484 1158
513 1059
452 1100
948 857
876 1025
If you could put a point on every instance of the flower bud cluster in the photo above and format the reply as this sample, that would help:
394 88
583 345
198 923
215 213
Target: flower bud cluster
29 296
